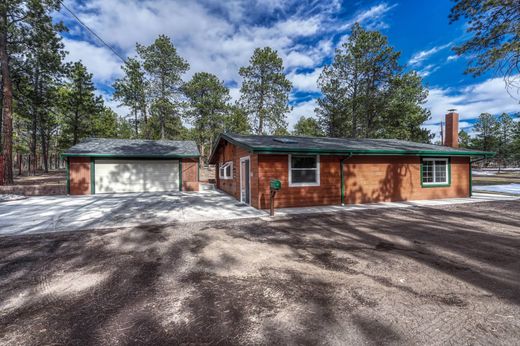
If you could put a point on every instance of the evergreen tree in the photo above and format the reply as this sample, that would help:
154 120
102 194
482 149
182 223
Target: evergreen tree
504 139
494 42
208 105
164 68
130 90
308 127
15 25
265 91
366 93
79 105
486 128
236 121
464 139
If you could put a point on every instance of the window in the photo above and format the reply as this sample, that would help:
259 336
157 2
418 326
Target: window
435 172
226 170
304 170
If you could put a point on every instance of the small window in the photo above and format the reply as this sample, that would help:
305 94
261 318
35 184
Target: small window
226 170
435 171
304 170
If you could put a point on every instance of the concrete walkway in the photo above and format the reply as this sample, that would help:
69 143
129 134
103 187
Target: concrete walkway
44 214
477 197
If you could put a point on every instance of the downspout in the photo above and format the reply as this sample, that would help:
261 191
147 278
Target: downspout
471 173
341 162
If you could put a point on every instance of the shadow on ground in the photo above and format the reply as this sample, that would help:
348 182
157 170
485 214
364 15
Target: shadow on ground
401 276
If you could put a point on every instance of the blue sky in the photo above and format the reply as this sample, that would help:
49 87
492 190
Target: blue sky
220 36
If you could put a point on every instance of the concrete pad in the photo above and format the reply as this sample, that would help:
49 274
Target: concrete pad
477 197
43 214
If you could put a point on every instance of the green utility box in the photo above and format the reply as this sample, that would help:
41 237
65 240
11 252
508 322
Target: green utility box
275 184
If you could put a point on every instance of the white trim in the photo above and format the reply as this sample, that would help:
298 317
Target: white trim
433 159
224 166
317 183
245 158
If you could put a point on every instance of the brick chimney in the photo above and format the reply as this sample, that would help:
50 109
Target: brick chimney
452 129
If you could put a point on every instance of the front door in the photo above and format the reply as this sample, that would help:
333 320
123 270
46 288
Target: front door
245 195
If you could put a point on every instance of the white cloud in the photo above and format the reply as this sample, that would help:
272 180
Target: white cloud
489 96
371 18
419 57
100 61
428 70
305 81
452 57
305 109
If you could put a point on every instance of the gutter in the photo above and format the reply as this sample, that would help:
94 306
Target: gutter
341 162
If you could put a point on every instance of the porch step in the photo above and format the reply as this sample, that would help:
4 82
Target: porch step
207 187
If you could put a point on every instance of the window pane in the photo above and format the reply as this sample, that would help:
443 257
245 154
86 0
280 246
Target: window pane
440 172
303 161
228 171
304 176
427 172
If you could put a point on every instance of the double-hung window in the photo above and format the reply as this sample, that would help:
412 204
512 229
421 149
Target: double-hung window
304 170
226 170
435 171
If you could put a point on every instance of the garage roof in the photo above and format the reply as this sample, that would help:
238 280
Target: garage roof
327 145
106 147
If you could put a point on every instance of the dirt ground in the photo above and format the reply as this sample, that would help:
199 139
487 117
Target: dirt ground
502 178
444 275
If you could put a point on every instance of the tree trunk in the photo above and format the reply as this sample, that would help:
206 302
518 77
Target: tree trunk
7 109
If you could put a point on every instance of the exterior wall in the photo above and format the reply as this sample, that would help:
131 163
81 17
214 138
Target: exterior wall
230 152
79 173
368 179
190 174
1 170
277 167
371 179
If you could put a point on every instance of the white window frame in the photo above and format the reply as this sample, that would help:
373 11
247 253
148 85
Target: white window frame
223 166
317 183
433 159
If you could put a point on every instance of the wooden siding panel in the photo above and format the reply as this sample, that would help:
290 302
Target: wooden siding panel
370 179
79 175
190 174
277 167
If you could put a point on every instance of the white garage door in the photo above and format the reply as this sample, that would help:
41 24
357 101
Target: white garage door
113 176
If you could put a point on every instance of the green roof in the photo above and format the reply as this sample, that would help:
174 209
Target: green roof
108 147
343 146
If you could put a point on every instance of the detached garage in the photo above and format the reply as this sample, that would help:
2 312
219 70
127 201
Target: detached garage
102 165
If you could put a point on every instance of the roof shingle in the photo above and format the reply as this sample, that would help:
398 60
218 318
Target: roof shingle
133 148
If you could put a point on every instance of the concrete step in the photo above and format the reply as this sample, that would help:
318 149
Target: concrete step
207 187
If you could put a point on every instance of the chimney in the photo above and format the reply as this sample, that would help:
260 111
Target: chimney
452 129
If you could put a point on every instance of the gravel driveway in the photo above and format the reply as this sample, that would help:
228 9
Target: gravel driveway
439 275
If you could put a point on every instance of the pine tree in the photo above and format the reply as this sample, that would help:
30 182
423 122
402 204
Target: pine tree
130 90
236 121
79 105
464 139
208 105
504 139
164 69
308 127
366 94
265 91
486 128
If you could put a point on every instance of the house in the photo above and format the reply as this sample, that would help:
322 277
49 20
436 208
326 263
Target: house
100 165
332 171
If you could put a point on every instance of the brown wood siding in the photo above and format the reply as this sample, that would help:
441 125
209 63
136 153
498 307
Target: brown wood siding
277 167
367 179
229 152
190 174
79 175
370 179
